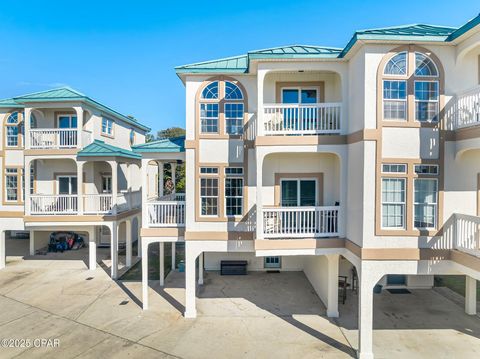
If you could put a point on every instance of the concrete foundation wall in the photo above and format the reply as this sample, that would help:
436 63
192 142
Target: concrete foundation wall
316 271
288 263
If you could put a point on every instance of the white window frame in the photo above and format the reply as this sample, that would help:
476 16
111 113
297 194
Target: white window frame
435 205
437 101
299 179
70 117
108 179
299 89
112 123
404 204
11 174
395 164
426 165
397 75
238 103
209 118
242 197
217 196
404 101
213 169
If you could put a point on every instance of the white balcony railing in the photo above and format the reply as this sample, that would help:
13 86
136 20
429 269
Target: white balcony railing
53 204
97 203
467 108
166 213
467 234
300 222
53 138
302 119
92 203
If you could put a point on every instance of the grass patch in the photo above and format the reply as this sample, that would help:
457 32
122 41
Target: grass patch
455 283
135 273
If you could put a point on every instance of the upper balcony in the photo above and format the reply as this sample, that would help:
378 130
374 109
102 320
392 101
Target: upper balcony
466 109
57 138
301 103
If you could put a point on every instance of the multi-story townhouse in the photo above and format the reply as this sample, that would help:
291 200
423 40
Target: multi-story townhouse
67 164
324 160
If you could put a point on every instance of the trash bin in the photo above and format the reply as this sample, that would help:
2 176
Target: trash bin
377 289
181 267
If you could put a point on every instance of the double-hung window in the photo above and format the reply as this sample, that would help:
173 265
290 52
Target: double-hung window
233 191
426 201
395 100
234 118
13 125
107 126
209 117
426 101
393 203
209 196
11 184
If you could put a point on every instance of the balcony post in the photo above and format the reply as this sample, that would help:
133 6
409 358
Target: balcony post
160 178
28 190
114 166
144 221
470 295
80 187
173 168
259 165
79 112
26 126
2 249
260 117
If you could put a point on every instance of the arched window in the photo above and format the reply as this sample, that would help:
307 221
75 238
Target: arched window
132 137
232 91
222 108
13 124
211 91
424 66
397 65
397 84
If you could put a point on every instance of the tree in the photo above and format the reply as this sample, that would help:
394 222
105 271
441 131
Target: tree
170 133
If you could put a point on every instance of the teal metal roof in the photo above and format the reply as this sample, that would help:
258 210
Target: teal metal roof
66 94
99 148
176 144
413 32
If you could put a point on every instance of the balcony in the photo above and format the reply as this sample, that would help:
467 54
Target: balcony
57 138
467 234
300 222
93 204
167 211
467 109
302 119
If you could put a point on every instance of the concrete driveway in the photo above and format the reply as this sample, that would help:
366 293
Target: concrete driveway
256 316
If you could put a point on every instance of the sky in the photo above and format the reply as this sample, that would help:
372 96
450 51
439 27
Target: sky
123 53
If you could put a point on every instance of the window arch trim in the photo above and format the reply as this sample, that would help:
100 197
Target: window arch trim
15 139
391 58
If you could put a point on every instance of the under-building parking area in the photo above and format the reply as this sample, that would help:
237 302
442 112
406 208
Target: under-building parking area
255 316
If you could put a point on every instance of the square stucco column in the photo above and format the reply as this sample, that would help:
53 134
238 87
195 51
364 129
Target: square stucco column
161 254
92 249
32 243
144 218
28 189
173 166
259 183
145 276
190 282
365 314
200 269
128 240
139 237
161 184
470 295
114 250
174 252
332 295
114 166
80 200
2 250
79 112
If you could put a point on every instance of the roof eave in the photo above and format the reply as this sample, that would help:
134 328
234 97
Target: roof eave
462 30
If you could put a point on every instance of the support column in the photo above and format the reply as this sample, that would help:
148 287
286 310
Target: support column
114 167
332 295
114 250
79 112
28 190
32 243
92 249
27 126
190 285
80 200
128 240
174 264
259 164
365 316
145 277
160 184
144 189
139 237
200 269
161 254
2 250
470 295
173 168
